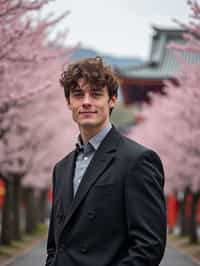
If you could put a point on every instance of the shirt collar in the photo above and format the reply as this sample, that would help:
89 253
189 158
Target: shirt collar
96 140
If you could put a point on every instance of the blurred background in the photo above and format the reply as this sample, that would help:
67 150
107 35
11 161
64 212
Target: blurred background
154 48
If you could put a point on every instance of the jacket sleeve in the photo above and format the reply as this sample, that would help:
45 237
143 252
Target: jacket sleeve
51 245
145 212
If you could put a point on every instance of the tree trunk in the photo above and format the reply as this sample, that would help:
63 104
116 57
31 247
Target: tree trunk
43 206
193 237
30 215
16 208
182 218
7 219
37 207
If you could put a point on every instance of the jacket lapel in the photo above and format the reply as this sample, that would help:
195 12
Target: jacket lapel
66 172
102 159
67 189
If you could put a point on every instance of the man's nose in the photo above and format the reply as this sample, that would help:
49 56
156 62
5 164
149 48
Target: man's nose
87 99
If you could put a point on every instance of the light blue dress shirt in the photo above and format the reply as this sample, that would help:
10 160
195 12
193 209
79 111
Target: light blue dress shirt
85 155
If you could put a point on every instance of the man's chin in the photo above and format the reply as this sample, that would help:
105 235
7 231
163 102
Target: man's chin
88 123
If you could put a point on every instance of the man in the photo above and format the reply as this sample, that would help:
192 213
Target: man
108 203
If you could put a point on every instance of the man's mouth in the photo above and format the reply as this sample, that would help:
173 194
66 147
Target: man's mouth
87 112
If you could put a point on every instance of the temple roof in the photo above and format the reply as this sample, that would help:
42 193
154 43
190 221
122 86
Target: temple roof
162 63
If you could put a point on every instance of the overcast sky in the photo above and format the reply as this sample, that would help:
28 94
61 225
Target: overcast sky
118 27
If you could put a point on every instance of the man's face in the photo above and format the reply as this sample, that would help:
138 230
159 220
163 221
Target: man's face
90 106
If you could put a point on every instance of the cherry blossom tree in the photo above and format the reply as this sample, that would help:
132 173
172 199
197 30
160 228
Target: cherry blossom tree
172 122
28 64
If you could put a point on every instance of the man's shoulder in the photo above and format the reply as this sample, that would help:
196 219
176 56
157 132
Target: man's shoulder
127 148
135 151
63 160
131 146
138 152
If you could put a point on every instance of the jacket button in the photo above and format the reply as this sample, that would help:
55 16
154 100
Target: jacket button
91 215
83 249
61 247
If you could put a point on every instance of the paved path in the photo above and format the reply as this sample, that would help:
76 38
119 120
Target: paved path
37 257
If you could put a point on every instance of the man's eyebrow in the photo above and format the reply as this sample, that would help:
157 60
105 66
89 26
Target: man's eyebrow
76 88
97 88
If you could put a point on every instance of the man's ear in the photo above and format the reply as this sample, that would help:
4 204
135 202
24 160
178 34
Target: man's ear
112 101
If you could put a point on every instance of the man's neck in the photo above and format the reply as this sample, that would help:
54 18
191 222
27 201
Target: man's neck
88 133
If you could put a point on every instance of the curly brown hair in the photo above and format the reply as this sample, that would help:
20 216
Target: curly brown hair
94 71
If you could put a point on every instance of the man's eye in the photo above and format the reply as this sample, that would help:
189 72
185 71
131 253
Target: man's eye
77 93
96 93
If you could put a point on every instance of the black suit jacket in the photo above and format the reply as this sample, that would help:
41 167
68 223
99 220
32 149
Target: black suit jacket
118 215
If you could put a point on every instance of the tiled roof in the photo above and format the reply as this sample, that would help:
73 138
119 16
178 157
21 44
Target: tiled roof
163 63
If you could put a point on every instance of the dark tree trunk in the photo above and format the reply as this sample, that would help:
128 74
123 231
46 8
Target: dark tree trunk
37 207
30 209
193 237
182 218
43 206
7 216
16 208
